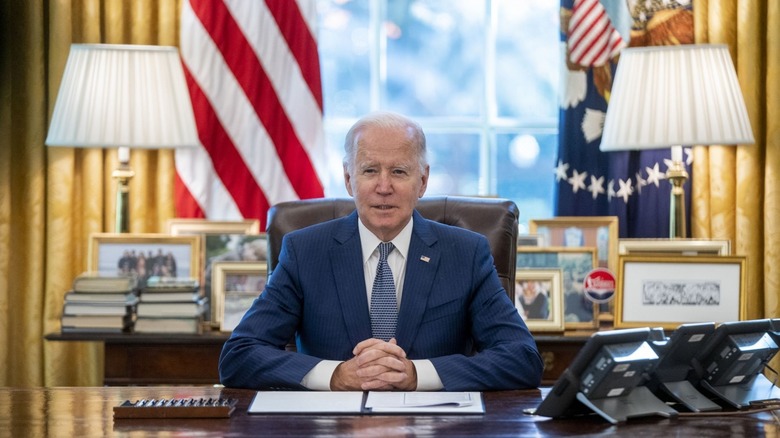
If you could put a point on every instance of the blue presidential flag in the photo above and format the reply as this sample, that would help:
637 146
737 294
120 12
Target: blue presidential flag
630 185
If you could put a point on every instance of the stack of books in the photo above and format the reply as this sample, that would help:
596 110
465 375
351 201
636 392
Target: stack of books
170 305
99 303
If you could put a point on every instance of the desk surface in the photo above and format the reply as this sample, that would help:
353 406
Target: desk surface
89 412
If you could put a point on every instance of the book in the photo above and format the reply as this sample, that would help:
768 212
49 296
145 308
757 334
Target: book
89 282
96 322
171 309
128 298
167 325
356 402
171 284
70 308
156 297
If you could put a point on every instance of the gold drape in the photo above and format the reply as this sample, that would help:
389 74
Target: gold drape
51 199
735 188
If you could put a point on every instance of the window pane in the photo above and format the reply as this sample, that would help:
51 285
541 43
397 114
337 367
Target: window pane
454 161
527 58
435 57
525 173
344 48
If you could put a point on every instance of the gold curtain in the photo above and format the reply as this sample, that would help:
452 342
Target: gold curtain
735 189
52 199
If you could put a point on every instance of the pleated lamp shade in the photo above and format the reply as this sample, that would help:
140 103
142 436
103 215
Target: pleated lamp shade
123 96
675 95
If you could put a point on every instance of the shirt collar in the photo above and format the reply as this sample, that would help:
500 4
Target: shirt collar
369 241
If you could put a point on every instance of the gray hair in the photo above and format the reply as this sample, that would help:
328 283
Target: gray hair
384 119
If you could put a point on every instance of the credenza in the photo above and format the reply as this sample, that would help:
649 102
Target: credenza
191 359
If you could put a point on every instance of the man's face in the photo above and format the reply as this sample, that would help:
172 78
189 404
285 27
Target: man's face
386 181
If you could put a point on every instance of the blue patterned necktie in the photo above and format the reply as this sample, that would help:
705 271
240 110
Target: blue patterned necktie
384 310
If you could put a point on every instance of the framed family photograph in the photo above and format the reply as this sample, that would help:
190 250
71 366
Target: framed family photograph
667 291
718 247
539 299
222 241
145 255
600 232
574 263
236 285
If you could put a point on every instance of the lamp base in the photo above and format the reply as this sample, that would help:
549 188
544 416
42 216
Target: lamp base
677 175
122 175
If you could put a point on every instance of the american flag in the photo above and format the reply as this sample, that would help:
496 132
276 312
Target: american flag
593 41
252 68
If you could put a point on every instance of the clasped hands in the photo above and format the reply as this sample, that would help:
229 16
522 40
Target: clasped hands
376 366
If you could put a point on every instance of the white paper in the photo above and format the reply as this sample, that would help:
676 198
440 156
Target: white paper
293 402
425 402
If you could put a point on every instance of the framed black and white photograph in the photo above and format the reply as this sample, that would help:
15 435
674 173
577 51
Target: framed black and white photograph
222 241
539 299
145 255
574 263
667 291
236 285
674 247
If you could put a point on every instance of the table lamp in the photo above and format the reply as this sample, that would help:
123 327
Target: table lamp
123 96
670 96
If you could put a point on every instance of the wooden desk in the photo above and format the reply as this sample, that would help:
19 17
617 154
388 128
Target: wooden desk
26 412
159 359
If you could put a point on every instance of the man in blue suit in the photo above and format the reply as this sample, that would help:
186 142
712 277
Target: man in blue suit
451 324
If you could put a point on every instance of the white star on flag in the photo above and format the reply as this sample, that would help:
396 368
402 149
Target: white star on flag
640 182
611 190
654 175
625 189
596 186
560 171
577 180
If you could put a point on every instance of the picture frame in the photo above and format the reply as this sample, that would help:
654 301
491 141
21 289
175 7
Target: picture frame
721 247
188 226
236 286
667 291
539 299
529 240
222 241
600 232
120 253
574 263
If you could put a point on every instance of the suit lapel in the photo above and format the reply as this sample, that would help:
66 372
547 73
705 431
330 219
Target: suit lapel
346 255
421 266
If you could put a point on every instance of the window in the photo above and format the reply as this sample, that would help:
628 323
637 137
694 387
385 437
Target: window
481 77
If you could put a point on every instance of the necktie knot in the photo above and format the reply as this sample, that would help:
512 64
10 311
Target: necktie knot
384 250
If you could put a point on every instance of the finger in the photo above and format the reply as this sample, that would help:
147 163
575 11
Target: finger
363 345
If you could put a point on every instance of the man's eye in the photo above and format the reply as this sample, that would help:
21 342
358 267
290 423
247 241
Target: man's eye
369 171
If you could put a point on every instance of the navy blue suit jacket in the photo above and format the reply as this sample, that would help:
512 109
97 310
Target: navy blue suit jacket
453 311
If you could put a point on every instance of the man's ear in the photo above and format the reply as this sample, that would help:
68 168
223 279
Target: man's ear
424 185
348 181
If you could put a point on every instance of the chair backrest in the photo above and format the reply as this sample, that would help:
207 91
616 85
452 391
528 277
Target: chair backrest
496 219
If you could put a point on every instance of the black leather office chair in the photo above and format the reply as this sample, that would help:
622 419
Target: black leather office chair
496 219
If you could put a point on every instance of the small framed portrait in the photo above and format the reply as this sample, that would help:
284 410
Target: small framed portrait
600 232
539 299
145 255
222 241
717 247
574 263
236 285
667 291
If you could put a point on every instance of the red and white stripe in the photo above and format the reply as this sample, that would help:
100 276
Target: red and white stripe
593 41
252 69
